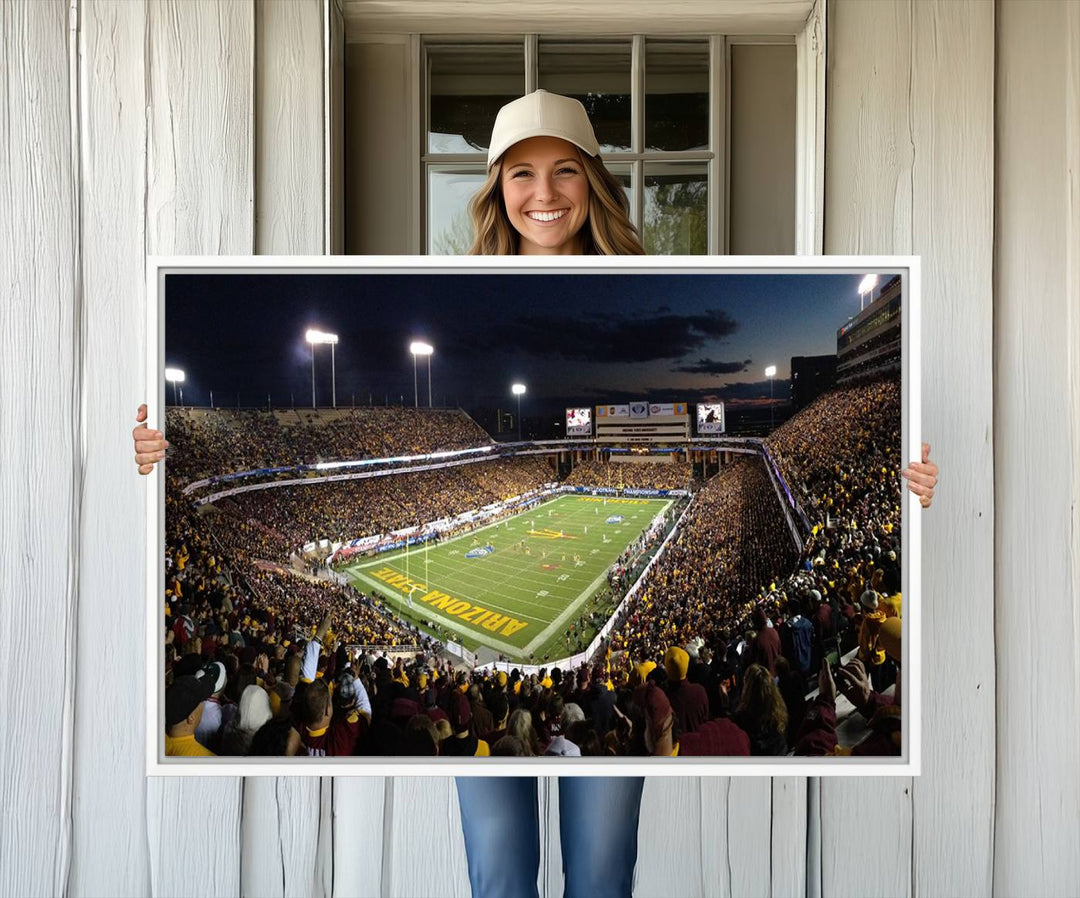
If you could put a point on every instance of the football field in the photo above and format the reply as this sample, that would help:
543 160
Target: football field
517 585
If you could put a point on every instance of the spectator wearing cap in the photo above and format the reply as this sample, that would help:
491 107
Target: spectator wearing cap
183 711
873 614
463 743
208 731
689 701
561 747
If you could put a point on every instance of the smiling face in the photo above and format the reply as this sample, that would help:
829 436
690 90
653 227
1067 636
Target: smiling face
546 195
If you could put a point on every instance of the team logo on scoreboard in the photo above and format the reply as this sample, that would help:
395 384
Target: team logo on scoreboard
639 409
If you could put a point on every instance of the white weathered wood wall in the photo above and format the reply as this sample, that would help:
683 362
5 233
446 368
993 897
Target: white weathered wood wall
953 132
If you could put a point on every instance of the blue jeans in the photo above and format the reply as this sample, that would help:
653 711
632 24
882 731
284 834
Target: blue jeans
598 822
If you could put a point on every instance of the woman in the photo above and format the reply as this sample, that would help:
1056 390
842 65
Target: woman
547 193
762 713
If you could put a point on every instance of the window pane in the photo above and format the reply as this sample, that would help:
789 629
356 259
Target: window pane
467 84
676 209
449 191
676 95
597 74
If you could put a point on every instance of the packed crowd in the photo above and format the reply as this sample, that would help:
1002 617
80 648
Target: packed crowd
632 475
220 441
219 596
352 509
757 622
731 542
309 701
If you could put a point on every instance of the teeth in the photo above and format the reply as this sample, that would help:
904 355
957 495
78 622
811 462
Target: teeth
547 216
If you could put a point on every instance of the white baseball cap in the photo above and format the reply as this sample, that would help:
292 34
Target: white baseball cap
541 114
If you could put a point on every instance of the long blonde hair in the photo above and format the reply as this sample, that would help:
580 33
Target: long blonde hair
761 704
607 232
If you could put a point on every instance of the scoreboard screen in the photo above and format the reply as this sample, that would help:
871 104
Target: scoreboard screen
710 417
579 422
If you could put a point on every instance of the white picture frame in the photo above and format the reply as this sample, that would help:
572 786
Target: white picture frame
909 762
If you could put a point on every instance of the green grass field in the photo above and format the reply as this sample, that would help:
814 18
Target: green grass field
520 597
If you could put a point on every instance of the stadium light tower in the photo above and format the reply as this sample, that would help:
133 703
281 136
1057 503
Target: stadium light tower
770 373
313 337
175 376
866 285
518 390
419 348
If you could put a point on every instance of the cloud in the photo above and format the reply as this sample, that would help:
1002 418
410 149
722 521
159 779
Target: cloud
593 338
711 366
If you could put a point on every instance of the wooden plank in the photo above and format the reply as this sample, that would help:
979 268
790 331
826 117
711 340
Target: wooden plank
909 170
281 822
289 127
1037 449
359 819
868 184
423 846
199 200
753 836
40 436
280 829
200 185
669 841
788 838
110 769
952 132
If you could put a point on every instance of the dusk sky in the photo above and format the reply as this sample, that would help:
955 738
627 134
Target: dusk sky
572 339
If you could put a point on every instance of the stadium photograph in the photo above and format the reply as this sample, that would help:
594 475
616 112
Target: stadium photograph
596 514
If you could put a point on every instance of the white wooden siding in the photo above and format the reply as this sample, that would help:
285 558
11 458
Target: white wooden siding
1037 450
180 127
909 149
41 453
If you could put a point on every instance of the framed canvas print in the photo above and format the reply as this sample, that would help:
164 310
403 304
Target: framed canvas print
498 516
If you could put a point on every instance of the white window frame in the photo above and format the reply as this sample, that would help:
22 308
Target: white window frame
809 109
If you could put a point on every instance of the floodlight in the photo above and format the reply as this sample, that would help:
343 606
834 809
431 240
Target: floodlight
868 283
419 347
517 389
770 371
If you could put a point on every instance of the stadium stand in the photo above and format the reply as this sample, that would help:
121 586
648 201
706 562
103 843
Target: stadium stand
716 654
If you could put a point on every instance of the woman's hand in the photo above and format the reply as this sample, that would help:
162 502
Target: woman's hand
922 477
150 445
